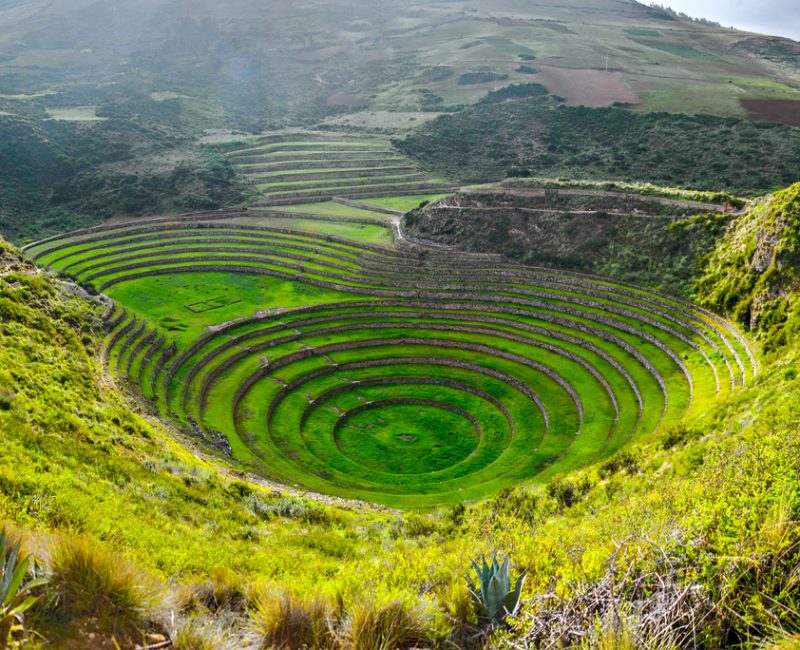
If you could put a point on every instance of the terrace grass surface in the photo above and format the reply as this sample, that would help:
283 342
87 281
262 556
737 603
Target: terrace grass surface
403 203
333 209
162 298
361 233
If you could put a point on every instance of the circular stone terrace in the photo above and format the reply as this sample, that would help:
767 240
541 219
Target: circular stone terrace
410 378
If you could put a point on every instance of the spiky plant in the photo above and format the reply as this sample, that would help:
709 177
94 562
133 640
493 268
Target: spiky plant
492 593
16 596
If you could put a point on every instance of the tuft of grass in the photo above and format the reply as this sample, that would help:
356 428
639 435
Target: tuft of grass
197 633
613 637
86 580
396 624
221 591
283 621
459 608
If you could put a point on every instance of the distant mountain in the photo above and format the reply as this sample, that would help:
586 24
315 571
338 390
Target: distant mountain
250 64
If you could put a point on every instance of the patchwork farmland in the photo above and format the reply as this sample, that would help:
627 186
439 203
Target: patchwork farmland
316 167
404 375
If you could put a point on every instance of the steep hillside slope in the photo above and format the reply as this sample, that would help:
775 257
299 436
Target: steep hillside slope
754 272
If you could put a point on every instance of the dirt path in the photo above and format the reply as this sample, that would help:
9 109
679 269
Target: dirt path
541 192
551 211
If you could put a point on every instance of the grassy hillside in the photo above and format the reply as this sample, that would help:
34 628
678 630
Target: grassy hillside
101 110
753 272
689 540
490 141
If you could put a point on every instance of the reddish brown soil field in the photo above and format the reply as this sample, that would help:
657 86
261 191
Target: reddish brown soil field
581 87
786 111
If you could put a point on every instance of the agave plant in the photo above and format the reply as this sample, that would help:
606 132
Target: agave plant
15 597
493 596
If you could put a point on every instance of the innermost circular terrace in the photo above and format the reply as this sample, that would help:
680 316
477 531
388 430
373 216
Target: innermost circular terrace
407 435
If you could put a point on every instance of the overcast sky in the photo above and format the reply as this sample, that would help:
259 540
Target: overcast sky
776 17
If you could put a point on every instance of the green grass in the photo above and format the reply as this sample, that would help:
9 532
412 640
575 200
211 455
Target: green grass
407 439
333 184
333 209
77 456
365 190
163 298
323 161
300 142
403 203
362 233
355 171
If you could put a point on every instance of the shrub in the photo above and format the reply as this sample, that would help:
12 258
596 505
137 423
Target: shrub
676 435
492 593
396 624
7 399
413 526
88 581
222 590
469 78
284 621
566 493
455 515
516 502
621 461
295 509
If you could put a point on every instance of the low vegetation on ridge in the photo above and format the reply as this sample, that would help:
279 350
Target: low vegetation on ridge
536 137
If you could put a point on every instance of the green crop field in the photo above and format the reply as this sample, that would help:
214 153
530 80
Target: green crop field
408 377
